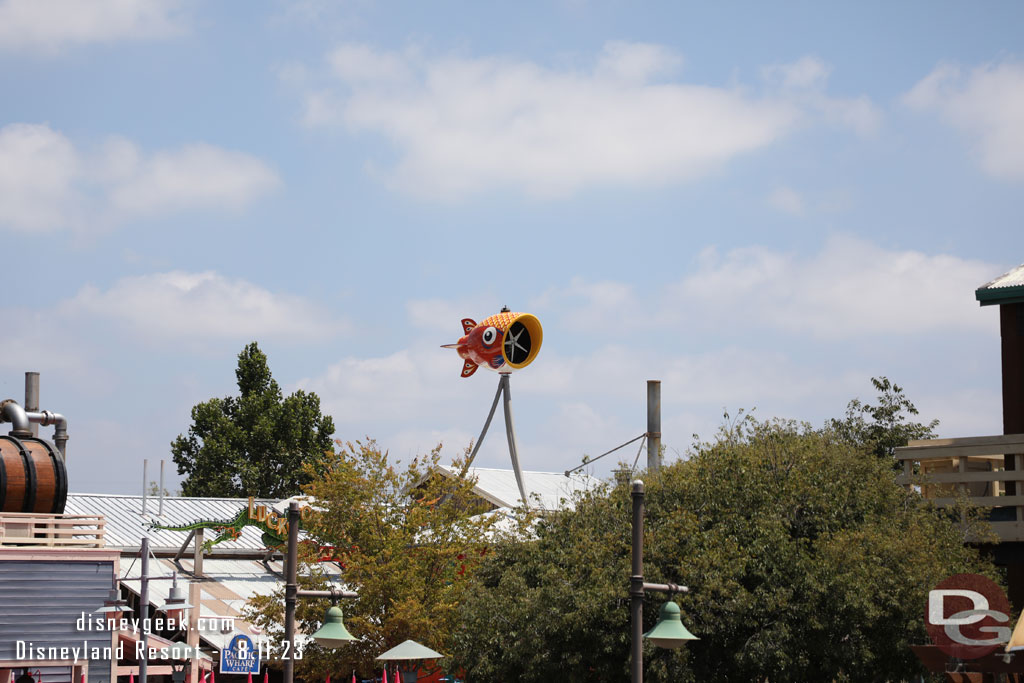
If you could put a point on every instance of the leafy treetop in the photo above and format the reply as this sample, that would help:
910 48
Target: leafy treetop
805 560
257 443
409 540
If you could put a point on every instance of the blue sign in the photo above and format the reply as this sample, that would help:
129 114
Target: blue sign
240 657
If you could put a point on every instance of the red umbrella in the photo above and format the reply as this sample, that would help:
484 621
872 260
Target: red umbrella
385 679
353 677
266 676
131 677
250 677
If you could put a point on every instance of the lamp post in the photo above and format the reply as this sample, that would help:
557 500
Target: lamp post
669 632
333 632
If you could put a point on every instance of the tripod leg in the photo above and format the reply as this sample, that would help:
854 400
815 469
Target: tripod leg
510 432
483 432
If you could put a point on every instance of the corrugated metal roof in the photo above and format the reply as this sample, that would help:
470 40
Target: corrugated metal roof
126 525
1007 288
545 490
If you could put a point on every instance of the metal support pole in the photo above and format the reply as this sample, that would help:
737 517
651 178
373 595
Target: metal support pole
636 586
487 424
144 610
145 484
510 432
291 589
653 425
160 508
32 397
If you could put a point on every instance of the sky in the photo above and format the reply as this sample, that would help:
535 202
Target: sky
762 205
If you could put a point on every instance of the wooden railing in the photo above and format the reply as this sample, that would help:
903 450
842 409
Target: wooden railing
975 467
51 531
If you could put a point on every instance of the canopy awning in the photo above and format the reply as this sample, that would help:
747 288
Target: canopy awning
410 649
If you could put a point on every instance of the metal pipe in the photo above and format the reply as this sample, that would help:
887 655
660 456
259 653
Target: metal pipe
510 432
11 412
291 589
22 420
636 586
160 509
60 428
144 609
145 483
653 425
32 396
483 432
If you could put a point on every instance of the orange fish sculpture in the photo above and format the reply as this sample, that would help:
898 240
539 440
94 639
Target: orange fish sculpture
503 342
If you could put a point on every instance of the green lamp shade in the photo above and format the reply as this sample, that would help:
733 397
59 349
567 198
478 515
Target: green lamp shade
333 633
669 632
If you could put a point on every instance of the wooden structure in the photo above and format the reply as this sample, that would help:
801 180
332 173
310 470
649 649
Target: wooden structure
51 531
972 468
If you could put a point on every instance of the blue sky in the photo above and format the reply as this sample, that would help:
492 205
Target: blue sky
762 205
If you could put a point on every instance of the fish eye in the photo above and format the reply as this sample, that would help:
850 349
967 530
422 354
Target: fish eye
489 336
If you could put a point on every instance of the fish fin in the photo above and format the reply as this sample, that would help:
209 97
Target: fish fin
467 325
468 368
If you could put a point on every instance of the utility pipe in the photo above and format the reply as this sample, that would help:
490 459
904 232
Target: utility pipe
32 396
22 421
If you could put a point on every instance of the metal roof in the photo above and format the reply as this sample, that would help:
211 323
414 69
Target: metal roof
545 490
1008 288
126 524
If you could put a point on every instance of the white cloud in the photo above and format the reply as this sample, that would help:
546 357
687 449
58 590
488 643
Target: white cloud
986 104
47 183
805 73
38 172
465 125
50 25
788 200
803 82
195 175
193 306
849 288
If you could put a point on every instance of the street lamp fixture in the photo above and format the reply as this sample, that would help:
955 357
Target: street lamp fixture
669 632
333 632
114 607
176 603
180 655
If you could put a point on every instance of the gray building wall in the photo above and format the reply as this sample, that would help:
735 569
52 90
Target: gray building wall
41 601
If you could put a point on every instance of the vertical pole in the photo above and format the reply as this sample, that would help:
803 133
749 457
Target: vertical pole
636 587
197 555
160 509
192 639
145 474
653 425
510 433
144 610
32 397
291 589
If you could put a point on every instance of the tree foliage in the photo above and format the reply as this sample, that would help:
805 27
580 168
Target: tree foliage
883 427
258 443
409 541
805 561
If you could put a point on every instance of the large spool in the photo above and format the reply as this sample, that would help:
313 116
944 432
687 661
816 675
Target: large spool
32 476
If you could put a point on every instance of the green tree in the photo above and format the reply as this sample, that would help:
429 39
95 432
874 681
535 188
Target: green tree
257 443
409 542
881 428
804 558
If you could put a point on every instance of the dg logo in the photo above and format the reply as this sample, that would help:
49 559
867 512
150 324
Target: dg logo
968 616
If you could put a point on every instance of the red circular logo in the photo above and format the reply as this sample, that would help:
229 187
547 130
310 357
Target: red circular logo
968 616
